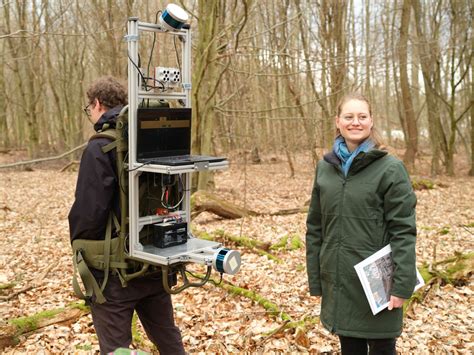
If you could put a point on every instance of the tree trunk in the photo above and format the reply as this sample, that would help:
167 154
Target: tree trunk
4 134
407 104
471 171
204 79
427 62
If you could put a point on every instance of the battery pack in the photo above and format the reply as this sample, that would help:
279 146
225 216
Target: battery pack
169 234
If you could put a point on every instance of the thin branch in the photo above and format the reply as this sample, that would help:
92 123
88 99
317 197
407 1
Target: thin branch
20 163
33 284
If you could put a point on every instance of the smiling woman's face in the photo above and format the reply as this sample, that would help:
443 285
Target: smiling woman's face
354 122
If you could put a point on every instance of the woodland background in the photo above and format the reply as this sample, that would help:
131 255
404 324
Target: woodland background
267 75
266 79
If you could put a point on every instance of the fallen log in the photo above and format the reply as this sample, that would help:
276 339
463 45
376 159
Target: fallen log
272 309
10 333
457 270
256 246
204 201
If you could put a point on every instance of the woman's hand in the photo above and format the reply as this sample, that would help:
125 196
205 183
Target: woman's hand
395 302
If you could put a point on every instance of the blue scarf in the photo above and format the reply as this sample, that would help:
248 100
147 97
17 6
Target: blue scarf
346 157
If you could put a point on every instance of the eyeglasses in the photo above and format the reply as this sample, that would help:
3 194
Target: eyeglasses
350 119
87 110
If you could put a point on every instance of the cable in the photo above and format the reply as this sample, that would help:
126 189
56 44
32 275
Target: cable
146 78
138 167
166 192
177 56
163 88
153 43
202 278
138 69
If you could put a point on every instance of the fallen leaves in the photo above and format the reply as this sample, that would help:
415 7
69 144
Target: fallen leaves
34 239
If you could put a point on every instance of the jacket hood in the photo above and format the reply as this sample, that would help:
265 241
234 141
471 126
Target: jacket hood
360 161
108 118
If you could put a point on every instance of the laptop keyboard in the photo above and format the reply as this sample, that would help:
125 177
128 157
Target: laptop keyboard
186 157
182 159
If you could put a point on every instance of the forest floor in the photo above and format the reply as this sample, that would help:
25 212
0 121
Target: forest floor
35 252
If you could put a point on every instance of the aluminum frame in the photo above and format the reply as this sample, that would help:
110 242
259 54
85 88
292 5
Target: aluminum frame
195 250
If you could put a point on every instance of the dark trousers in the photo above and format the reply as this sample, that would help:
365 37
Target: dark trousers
358 346
113 319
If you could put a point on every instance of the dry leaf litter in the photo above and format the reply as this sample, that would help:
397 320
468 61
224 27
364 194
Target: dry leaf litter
36 253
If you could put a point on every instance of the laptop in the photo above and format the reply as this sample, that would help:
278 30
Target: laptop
164 137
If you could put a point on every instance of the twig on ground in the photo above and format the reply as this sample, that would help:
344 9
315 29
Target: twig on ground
33 284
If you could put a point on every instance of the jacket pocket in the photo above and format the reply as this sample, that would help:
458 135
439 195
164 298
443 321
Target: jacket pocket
363 227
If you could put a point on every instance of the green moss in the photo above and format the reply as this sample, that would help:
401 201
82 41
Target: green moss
205 236
422 184
303 323
455 268
28 324
255 245
269 306
85 347
281 244
7 286
425 273
300 267
136 336
296 242
81 305
444 231
240 240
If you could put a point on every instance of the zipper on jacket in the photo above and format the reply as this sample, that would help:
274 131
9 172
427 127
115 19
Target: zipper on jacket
338 288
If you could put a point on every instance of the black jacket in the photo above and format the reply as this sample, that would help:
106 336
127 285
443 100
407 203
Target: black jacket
97 186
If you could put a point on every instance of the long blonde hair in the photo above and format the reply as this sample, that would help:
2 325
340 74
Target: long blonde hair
374 133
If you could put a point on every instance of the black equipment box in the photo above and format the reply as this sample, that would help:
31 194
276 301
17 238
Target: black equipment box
169 234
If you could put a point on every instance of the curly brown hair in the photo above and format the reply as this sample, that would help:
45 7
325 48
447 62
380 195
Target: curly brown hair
109 91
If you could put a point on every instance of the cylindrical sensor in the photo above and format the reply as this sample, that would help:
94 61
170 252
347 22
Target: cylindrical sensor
227 261
173 17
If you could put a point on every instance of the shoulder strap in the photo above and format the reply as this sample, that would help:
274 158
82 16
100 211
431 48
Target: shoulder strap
111 134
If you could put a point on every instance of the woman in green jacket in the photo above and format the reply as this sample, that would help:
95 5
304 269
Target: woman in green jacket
362 200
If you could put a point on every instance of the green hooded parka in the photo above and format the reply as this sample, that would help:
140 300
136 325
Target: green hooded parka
349 219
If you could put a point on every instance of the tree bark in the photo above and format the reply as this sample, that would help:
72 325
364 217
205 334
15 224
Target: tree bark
407 103
427 61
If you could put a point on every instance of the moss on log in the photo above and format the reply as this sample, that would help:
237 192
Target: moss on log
255 246
10 332
456 271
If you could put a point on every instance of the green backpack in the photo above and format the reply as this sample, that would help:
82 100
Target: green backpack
108 254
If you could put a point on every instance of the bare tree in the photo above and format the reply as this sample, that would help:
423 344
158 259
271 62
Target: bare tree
407 103
215 45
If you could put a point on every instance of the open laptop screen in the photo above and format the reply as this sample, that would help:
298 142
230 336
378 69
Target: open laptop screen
163 132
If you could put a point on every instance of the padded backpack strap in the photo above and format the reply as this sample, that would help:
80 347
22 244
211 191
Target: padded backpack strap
90 284
108 241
